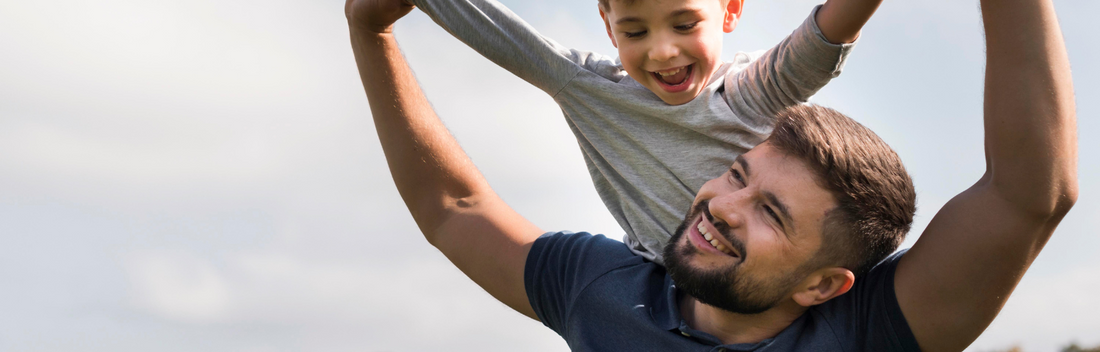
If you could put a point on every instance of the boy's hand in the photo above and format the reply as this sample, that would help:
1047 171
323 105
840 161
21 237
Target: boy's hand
375 16
841 20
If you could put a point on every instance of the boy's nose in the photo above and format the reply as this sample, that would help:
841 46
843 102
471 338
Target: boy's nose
663 51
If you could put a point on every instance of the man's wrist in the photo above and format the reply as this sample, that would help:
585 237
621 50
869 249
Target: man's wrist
371 33
368 40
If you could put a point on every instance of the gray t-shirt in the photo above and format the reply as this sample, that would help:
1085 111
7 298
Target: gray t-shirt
647 158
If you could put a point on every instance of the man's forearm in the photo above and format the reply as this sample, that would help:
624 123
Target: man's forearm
1030 118
841 20
431 171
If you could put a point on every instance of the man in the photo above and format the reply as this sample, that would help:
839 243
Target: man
770 254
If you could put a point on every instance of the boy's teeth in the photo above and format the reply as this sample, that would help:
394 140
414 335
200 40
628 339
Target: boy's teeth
673 76
670 73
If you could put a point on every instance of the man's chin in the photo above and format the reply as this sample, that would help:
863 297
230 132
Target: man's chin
713 286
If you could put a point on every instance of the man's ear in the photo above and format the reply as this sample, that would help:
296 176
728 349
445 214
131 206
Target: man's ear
733 14
823 285
607 24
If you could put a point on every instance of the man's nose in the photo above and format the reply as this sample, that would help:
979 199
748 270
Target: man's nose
729 208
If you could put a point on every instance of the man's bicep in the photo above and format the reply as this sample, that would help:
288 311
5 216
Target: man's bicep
959 274
490 242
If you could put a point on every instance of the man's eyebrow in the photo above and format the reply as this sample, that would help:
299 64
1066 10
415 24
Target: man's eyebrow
744 165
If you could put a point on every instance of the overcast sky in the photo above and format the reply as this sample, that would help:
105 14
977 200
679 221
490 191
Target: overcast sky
204 175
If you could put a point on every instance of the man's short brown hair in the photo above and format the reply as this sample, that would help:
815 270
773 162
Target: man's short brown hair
875 196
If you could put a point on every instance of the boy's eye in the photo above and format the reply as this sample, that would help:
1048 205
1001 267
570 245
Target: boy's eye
687 27
634 34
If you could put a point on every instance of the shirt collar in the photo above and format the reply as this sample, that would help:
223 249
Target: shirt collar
666 315
666 307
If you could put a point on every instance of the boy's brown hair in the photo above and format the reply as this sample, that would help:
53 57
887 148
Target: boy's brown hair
875 196
605 5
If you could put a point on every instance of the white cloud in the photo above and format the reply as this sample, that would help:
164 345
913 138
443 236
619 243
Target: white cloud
262 288
179 287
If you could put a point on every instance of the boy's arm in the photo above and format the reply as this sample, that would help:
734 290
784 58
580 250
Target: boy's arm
787 74
959 274
500 35
841 20
449 199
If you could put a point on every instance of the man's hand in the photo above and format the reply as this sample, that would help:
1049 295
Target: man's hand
375 16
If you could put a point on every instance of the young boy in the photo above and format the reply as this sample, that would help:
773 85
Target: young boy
668 114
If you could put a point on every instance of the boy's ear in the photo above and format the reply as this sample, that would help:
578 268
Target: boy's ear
733 13
607 24
823 285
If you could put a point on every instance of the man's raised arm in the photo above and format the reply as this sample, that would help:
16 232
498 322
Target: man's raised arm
959 274
449 199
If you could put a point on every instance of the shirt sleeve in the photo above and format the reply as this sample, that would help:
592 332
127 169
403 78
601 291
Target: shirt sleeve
500 35
561 265
786 75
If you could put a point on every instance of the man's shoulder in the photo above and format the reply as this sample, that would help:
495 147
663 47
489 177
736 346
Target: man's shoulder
567 273
595 253
868 315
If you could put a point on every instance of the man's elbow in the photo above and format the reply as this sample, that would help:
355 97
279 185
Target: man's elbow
431 219
1066 199
1042 204
1055 204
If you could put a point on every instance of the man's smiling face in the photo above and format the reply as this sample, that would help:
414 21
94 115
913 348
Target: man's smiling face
751 233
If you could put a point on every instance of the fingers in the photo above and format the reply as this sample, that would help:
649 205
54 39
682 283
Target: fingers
376 16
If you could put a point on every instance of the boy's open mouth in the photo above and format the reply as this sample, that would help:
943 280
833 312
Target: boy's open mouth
676 79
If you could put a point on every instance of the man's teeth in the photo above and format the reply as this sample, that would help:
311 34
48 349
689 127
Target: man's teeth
669 73
713 241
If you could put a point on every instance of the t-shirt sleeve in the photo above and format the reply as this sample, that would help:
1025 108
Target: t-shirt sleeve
786 75
868 316
500 35
560 266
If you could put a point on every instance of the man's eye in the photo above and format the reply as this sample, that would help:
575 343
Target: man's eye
687 27
736 175
773 215
634 34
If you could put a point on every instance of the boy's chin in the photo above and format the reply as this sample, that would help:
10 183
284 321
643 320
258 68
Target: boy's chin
679 98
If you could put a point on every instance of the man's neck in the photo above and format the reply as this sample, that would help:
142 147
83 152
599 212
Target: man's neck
733 328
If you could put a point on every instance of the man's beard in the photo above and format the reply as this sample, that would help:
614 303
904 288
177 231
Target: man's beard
724 287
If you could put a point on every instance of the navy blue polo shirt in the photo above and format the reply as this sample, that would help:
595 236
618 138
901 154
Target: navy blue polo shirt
599 296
